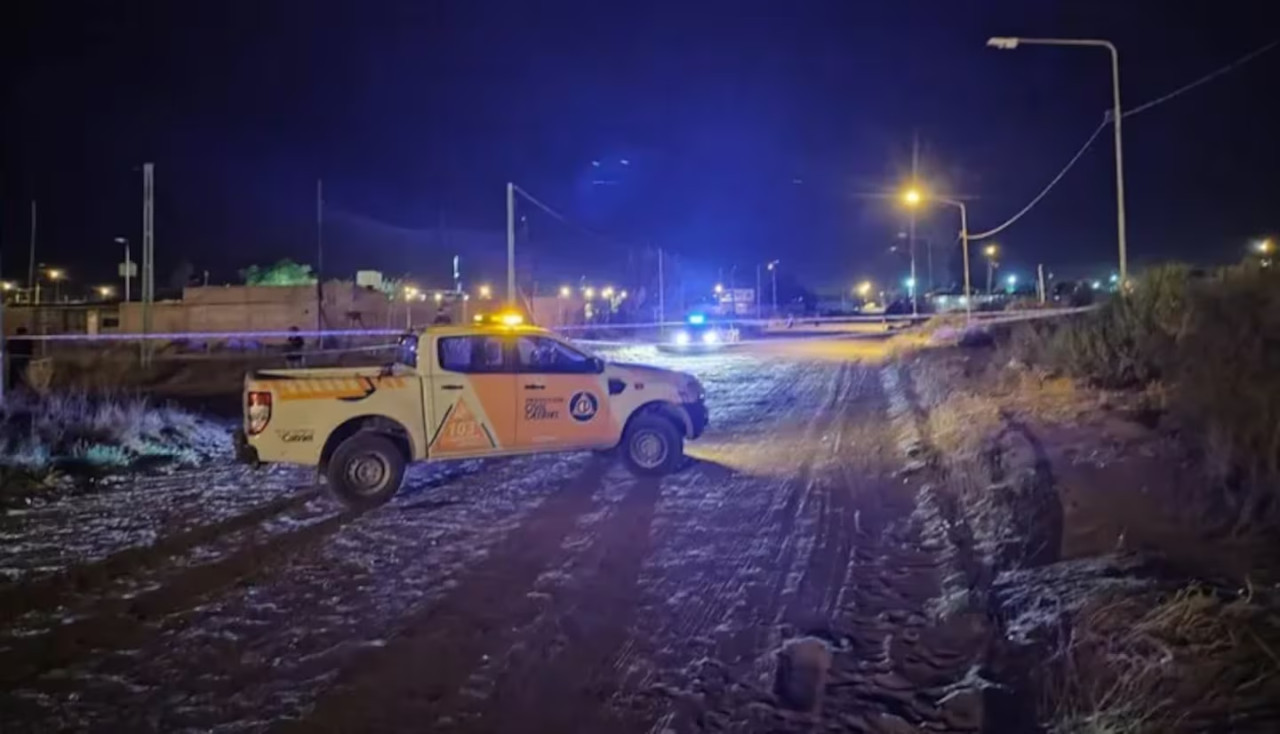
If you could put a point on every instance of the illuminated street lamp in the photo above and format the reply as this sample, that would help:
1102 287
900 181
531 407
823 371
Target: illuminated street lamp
486 292
105 291
438 297
622 295
773 275
1265 247
1009 43
864 288
1012 280
589 292
718 289
56 276
913 197
607 292
565 291
990 251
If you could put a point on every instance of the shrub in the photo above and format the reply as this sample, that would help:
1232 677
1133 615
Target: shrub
1212 346
1227 382
1131 339
38 434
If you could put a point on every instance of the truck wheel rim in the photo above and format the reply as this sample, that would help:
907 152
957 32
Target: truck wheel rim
649 449
368 473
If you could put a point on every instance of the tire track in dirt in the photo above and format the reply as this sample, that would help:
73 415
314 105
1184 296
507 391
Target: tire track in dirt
906 665
118 623
730 552
574 655
773 535
402 685
60 588
263 651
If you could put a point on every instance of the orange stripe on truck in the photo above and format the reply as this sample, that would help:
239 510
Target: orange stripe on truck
331 387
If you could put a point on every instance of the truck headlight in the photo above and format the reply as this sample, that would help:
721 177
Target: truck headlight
682 338
710 337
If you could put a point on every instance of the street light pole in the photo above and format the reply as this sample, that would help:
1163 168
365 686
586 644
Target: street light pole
913 198
758 299
127 267
964 243
1009 43
774 271
511 244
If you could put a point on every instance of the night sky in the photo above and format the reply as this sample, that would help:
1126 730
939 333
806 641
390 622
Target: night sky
730 133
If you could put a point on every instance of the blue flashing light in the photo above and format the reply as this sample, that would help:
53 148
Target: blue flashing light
697 318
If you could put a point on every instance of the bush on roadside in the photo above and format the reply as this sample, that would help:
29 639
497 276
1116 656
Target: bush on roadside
40 434
1159 663
1226 385
1211 343
1130 340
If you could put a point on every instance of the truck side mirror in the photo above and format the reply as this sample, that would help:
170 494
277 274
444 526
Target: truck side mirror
597 365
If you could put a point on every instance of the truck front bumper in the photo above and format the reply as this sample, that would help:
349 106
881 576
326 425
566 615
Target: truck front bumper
245 453
699 417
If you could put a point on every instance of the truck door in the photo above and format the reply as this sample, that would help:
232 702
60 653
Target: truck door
473 394
563 401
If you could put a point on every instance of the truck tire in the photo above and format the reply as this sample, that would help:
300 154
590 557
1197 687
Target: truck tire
366 470
652 445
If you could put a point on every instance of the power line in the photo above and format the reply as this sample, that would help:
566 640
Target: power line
562 218
1202 80
991 233
1127 113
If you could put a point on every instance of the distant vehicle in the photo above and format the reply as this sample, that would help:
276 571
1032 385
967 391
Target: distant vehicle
699 336
495 388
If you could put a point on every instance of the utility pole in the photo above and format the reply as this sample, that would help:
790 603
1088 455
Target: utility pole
148 255
31 256
1040 281
662 302
774 271
911 223
511 245
319 258
733 297
126 270
757 291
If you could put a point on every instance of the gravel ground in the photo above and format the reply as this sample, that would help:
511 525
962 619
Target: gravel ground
538 594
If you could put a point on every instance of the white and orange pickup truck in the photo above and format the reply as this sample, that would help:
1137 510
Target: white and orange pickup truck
460 392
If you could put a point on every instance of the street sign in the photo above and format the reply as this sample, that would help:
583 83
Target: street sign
127 269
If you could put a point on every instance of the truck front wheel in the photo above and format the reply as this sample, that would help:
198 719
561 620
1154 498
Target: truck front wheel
652 445
366 470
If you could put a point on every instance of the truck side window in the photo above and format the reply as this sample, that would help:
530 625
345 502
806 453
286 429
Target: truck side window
472 354
548 356
407 350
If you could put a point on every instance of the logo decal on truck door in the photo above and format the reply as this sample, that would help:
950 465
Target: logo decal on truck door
583 406
461 431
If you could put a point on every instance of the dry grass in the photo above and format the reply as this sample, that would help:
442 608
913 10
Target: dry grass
41 434
963 423
1140 664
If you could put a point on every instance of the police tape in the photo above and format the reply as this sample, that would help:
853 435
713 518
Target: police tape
207 335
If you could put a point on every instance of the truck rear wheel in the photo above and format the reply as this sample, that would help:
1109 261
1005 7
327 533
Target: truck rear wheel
652 445
366 470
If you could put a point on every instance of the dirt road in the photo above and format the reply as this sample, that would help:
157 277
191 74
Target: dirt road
543 594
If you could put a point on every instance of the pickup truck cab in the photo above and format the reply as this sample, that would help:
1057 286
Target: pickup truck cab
461 392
